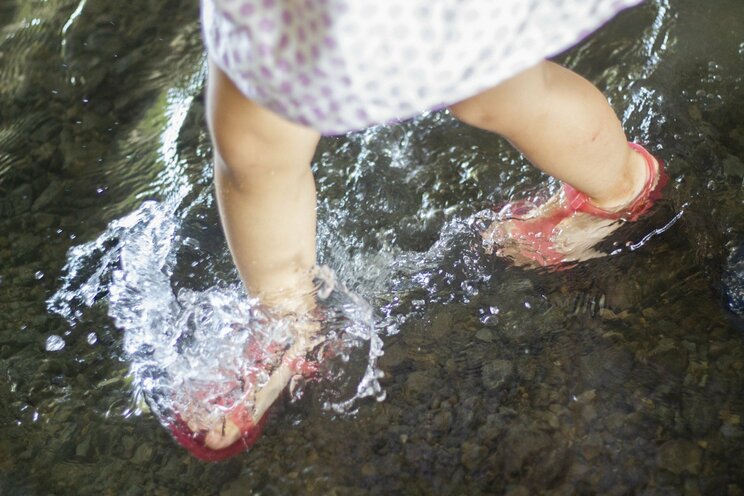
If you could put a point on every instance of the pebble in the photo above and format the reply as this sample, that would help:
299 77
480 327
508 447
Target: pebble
441 325
733 432
700 415
442 421
143 454
679 456
484 334
128 445
473 455
419 383
496 373
83 449
369 470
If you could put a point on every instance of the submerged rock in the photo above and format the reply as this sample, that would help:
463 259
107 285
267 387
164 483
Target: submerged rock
496 373
485 335
678 456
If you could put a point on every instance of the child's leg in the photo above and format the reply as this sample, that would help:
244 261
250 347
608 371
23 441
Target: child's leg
565 127
266 194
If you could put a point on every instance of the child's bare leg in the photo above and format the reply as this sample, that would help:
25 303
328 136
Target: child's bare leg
266 196
266 193
565 127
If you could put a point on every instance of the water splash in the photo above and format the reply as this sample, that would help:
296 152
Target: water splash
202 351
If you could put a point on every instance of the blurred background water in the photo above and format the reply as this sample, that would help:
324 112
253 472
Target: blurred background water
623 375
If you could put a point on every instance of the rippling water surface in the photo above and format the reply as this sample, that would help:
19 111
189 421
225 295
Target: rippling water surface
452 371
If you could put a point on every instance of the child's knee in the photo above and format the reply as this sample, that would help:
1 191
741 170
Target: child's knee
250 147
242 158
239 152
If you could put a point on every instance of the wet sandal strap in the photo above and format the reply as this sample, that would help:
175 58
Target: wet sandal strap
656 179
194 442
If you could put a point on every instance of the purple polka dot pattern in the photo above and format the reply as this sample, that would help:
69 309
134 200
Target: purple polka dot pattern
343 65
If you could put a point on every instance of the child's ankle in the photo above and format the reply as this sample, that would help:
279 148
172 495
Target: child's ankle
629 188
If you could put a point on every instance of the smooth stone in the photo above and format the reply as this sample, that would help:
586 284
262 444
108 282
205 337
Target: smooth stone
678 456
83 449
143 454
495 373
442 421
485 335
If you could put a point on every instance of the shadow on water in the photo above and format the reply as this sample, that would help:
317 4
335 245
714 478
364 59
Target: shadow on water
623 375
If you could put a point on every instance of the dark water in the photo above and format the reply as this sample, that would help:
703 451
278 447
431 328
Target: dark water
624 375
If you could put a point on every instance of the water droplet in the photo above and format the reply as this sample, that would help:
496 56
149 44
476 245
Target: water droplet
489 320
489 316
55 343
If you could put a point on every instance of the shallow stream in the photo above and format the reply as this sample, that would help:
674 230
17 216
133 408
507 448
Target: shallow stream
457 372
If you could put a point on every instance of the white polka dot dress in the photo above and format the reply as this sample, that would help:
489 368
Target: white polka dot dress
343 65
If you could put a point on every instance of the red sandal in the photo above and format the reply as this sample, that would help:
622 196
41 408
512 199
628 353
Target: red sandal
535 237
195 440
657 180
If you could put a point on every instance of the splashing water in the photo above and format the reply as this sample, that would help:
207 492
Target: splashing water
202 351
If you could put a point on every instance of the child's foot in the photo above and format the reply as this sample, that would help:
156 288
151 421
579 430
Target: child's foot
568 226
211 431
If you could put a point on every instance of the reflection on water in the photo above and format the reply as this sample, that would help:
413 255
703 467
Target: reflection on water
622 375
